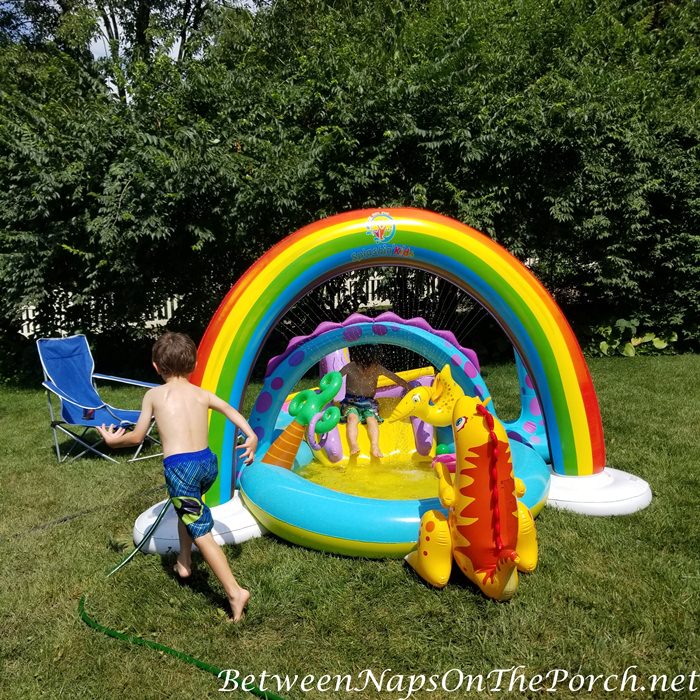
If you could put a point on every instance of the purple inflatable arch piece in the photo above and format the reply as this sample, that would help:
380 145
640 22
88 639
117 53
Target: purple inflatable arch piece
387 316
423 432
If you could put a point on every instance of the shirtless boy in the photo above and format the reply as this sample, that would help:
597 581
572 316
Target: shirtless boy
359 404
181 411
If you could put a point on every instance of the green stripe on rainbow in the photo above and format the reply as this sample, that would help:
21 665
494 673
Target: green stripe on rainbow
423 240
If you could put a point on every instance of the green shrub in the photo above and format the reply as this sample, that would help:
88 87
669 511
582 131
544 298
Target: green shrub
625 338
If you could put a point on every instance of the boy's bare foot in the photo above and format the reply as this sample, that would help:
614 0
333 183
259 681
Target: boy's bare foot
238 603
376 452
354 451
181 569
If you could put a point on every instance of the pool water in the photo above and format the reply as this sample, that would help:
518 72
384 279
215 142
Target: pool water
393 477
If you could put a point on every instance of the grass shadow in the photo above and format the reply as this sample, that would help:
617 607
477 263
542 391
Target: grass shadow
197 582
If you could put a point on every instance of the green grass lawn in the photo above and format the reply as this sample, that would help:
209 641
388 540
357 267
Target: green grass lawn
609 593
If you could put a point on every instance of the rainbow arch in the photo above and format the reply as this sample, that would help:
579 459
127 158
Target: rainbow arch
423 240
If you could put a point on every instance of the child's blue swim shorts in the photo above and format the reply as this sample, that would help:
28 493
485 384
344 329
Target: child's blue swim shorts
188 476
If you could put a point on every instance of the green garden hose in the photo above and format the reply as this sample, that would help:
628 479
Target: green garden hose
133 639
144 539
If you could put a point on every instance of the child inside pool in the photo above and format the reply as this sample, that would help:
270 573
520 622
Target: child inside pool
359 404
181 411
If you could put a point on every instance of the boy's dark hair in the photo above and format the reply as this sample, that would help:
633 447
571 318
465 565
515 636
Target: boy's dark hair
364 355
175 354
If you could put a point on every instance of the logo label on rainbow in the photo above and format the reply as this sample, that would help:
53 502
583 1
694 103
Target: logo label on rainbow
382 251
381 227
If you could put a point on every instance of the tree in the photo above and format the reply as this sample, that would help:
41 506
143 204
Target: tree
567 131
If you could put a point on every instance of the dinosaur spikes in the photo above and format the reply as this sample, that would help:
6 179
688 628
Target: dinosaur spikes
463 530
465 492
467 481
467 502
466 521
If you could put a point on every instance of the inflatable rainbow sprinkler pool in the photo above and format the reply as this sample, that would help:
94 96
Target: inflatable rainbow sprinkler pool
556 445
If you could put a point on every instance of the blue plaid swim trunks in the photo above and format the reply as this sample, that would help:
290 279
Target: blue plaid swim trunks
188 476
363 407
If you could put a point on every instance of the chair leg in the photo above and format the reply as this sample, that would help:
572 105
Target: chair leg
136 457
76 439
73 446
79 440
53 428
88 447
56 445
141 459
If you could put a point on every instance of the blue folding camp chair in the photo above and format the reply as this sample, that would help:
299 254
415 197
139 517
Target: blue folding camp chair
69 374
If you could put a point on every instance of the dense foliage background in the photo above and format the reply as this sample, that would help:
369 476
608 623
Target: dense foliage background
163 160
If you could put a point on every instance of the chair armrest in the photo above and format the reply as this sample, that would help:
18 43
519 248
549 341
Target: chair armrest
122 380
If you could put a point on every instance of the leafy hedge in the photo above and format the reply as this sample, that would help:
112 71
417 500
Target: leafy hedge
567 130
